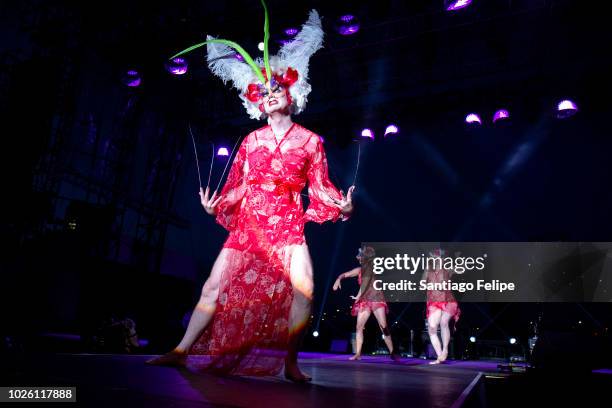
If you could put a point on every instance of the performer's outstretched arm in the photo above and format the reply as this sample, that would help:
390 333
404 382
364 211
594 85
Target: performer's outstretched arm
350 274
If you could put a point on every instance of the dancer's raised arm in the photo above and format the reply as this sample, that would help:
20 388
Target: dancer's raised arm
350 274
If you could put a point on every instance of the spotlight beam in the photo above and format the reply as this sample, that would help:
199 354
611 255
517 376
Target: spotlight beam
492 320
437 160
521 154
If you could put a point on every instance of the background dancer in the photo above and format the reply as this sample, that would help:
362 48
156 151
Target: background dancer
441 306
368 301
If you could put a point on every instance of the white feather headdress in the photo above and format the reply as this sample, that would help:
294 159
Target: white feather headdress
296 55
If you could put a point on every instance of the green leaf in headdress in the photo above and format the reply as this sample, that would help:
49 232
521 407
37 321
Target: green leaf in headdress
266 40
238 48
241 51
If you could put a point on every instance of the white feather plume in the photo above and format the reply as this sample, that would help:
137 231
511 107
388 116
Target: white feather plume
223 63
297 53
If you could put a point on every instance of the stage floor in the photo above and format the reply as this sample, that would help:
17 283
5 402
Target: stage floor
124 380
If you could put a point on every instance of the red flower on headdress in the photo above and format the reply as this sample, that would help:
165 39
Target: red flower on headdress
289 78
255 92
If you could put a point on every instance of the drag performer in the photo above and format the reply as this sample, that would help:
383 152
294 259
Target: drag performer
368 301
256 302
441 306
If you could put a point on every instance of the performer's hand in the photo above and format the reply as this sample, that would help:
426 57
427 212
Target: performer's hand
355 297
337 284
209 204
346 203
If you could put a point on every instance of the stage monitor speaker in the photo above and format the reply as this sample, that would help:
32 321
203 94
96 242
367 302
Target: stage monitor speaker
560 350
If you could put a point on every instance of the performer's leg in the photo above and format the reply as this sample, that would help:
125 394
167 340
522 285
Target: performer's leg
445 331
301 281
362 319
382 322
201 315
432 327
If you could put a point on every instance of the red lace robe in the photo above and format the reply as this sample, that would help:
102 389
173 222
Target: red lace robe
262 209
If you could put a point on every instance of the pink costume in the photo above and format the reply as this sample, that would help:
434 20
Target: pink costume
441 299
262 206
370 298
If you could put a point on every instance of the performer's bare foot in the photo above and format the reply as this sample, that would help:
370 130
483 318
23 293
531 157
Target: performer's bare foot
443 356
435 362
355 357
395 356
293 373
171 359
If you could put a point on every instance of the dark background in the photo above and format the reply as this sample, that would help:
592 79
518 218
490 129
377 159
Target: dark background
101 213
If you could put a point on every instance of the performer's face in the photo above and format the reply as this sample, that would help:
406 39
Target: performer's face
276 101
436 254
361 259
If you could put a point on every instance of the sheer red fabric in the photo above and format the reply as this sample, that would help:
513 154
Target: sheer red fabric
370 298
441 299
263 212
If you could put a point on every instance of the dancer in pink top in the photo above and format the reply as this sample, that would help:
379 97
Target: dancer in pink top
368 301
441 307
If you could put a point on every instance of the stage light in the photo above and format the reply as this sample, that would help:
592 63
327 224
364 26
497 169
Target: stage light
222 151
367 133
501 114
177 66
452 5
347 24
472 339
260 46
391 130
315 334
512 340
288 37
132 78
566 108
473 119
